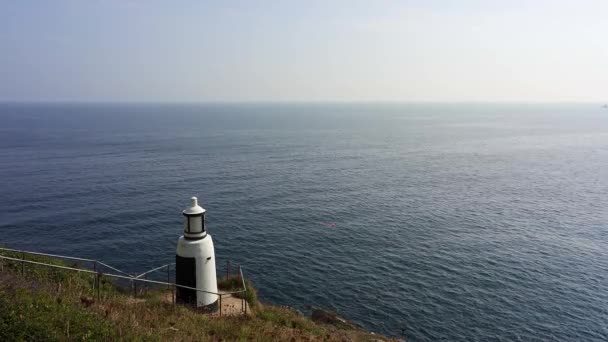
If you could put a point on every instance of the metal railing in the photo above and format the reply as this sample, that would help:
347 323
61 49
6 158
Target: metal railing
134 279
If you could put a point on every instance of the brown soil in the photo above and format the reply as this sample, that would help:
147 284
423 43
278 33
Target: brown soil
231 306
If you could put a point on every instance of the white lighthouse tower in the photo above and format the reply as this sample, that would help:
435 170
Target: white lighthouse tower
195 261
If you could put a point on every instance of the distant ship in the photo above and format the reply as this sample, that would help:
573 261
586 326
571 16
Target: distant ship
605 106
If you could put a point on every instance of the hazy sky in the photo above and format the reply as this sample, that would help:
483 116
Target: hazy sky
194 50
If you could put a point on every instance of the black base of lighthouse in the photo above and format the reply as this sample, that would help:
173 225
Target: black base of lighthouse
185 275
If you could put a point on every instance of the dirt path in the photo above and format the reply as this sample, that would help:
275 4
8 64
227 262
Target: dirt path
231 306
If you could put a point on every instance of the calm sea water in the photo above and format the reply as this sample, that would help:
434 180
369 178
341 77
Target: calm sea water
454 222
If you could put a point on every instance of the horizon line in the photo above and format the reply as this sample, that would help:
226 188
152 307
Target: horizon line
226 102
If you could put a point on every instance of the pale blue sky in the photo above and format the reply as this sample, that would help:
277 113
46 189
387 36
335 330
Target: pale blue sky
418 50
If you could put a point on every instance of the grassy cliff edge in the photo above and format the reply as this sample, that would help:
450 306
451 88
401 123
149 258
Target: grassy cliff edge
48 304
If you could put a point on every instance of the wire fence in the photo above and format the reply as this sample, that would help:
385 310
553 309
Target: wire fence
140 283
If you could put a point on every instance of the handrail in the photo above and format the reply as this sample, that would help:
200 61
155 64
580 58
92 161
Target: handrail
124 275
46 254
152 270
112 268
117 276
138 278
242 278
49 265
65 257
243 304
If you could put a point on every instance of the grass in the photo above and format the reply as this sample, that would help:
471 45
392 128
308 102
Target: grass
57 305
38 315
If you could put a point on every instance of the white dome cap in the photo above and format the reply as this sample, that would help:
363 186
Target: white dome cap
194 208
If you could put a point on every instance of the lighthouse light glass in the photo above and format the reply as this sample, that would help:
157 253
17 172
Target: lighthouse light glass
193 224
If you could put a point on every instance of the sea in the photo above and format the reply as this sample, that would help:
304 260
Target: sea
423 221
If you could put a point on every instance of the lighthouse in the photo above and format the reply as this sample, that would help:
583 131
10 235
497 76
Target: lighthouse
195 261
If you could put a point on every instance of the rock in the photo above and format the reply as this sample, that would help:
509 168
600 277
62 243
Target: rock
328 317
87 301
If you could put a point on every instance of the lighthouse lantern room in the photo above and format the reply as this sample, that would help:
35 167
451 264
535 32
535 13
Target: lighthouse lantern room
194 220
195 261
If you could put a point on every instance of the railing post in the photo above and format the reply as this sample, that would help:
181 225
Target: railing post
134 288
168 276
220 304
95 276
98 284
244 287
173 294
227 268
22 263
